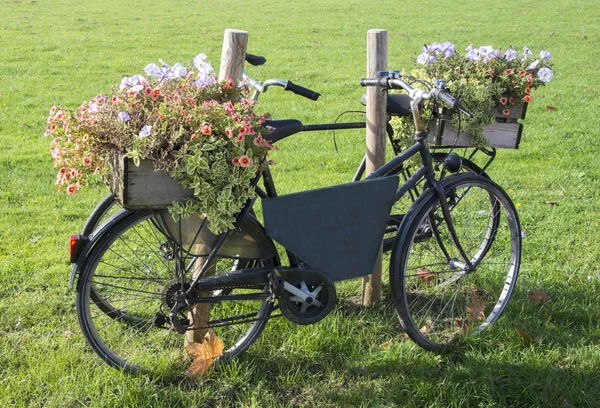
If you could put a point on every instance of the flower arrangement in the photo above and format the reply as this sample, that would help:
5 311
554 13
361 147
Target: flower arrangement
204 132
485 80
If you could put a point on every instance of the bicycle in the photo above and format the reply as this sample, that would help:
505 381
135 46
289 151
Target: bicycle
398 105
157 270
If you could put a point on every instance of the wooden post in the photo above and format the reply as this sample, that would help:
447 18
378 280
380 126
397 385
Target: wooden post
233 55
232 66
377 53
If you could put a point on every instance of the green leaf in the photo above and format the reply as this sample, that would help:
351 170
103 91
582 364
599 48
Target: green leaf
208 147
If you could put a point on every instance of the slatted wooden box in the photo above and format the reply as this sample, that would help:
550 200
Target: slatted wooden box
141 187
505 133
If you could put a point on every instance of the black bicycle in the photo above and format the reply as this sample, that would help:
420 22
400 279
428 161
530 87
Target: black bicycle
147 282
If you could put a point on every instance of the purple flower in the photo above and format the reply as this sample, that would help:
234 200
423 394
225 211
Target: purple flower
545 55
436 47
526 53
425 58
201 65
448 47
146 131
545 74
93 108
533 65
165 71
136 81
473 53
204 80
123 116
510 54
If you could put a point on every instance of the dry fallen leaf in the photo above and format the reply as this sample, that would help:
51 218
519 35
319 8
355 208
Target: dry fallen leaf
423 330
203 355
536 296
425 274
387 343
476 311
550 108
551 202
524 335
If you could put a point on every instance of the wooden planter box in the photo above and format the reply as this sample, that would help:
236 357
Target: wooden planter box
506 132
142 187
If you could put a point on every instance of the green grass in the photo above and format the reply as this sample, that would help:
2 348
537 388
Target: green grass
68 51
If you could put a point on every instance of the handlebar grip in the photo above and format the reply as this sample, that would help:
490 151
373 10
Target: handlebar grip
255 60
302 91
374 82
454 104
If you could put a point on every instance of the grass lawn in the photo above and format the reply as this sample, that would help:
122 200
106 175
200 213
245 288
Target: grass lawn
65 51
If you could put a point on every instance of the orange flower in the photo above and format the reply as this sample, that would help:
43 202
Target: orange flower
206 129
527 98
245 161
528 90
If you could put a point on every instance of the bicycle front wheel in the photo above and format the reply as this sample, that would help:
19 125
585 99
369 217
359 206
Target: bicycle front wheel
438 299
140 271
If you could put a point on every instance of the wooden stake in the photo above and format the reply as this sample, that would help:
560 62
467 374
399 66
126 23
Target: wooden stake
233 55
377 53
232 66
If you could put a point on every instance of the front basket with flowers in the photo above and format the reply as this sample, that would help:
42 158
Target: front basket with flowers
495 86
203 132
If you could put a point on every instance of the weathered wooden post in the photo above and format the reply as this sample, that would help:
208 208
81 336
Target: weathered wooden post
232 66
377 54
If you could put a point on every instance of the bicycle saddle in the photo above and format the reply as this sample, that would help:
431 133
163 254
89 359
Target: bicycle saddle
282 129
397 104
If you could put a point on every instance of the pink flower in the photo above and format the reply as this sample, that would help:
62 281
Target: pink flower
506 112
509 72
245 161
228 132
511 100
457 70
528 90
258 140
85 137
148 90
529 81
206 129
522 73
187 119
59 115
73 173
236 161
155 93
228 84
503 100
240 137
527 98
72 189
87 161
228 108
52 110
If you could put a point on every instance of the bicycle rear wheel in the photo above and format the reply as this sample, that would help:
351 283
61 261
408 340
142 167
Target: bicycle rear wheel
139 271
437 299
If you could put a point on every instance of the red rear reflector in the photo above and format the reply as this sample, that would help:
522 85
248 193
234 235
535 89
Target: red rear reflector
76 244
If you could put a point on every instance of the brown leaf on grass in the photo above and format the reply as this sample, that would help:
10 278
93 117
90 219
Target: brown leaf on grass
387 343
476 310
524 335
425 275
538 296
203 355
423 330
551 202
550 108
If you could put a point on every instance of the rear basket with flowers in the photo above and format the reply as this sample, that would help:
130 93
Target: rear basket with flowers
495 86
178 139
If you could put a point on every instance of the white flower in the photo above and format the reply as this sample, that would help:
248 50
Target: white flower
203 67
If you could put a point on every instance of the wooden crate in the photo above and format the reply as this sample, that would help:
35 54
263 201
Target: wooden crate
506 132
140 187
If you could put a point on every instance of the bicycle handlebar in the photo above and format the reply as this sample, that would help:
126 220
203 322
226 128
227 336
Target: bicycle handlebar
255 60
441 94
302 91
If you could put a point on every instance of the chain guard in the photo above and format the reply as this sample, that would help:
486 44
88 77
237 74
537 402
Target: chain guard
311 283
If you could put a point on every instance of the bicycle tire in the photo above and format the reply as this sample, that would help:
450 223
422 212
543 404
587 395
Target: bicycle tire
437 301
99 214
128 265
